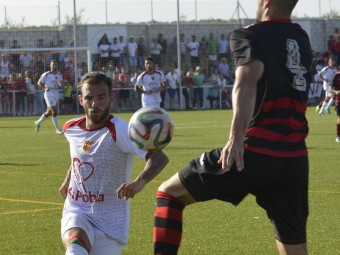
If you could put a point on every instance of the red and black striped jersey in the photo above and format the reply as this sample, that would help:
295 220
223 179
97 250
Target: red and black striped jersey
279 126
336 86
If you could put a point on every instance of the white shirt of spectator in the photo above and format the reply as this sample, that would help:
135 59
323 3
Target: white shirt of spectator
172 79
104 50
193 46
132 48
116 48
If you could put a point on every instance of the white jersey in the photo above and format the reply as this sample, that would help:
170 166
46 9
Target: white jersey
101 161
51 81
151 82
327 73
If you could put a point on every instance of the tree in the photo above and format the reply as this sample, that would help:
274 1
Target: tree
79 18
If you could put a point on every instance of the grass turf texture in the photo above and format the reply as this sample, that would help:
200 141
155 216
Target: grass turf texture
32 167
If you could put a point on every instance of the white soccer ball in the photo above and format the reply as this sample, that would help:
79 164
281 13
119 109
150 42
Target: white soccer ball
151 128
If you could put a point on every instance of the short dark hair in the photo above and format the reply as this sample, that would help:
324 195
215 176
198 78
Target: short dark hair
150 59
93 78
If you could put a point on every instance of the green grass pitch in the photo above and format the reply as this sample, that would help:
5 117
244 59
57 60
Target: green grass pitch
32 167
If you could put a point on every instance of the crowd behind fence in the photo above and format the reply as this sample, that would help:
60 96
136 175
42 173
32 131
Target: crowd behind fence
122 59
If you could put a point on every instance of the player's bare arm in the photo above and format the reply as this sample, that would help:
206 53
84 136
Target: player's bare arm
244 97
64 186
154 165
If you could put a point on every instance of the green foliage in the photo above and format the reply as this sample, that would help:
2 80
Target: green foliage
32 167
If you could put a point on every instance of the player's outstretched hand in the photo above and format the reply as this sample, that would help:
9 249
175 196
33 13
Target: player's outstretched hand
130 189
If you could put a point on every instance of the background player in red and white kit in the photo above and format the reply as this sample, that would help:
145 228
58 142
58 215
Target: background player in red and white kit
96 211
326 74
266 153
335 88
150 83
50 81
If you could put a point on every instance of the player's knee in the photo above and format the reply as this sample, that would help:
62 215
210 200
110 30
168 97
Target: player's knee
76 246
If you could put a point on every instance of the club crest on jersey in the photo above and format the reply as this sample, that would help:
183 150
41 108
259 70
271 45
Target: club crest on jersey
87 144
153 78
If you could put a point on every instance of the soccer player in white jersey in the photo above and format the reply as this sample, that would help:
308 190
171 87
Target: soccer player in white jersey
326 74
97 186
150 83
50 81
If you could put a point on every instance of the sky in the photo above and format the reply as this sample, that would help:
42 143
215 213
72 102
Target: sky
47 12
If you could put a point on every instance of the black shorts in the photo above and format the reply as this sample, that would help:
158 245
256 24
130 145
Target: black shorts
280 186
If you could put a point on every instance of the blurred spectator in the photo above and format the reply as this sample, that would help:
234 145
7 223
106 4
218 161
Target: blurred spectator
198 79
25 60
14 58
155 51
213 45
172 80
104 49
183 50
124 101
31 90
4 67
5 97
132 52
331 44
213 91
193 48
21 98
337 48
115 52
68 101
164 51
141 52
187 84
40 43
173 52
123 52
223 45
203 54
223 68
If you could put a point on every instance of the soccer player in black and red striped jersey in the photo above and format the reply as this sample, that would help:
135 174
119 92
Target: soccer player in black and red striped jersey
265 154
335 89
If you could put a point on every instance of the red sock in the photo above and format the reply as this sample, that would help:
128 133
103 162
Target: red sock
167 231
338 130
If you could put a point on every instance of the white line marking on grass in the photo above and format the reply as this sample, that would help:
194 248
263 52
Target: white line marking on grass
324 191
30 201
29 211
23 173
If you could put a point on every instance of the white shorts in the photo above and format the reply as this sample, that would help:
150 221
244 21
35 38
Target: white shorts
101 244
151 104
51 99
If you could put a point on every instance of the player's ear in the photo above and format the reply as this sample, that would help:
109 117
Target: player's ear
80 98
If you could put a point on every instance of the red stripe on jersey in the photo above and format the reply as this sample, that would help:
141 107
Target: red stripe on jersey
289 122
280 154
112 129
165 235
72 123
284 103
169 213
275 137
